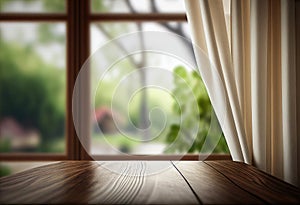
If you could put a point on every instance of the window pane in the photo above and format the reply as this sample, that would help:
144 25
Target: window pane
32 87
32 6
140 6
122 109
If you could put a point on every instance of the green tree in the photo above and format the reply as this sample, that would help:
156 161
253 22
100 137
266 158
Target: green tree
189 84
29 92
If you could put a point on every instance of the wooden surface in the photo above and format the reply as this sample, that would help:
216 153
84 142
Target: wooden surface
184 182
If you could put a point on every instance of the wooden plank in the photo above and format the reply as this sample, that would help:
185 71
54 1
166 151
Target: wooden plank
254 181
210 182
211 186
47 184
89 182
134 185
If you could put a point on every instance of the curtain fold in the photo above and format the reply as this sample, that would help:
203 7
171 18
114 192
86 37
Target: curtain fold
218 52
212 39
256 78
259 82
240 47
289 90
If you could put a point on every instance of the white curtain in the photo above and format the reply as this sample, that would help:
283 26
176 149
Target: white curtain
254 56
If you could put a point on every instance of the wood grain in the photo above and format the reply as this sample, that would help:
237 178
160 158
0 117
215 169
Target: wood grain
134 185
134 182
258 183
212 187
89 182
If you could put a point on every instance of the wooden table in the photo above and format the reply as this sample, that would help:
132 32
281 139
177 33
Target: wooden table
185 182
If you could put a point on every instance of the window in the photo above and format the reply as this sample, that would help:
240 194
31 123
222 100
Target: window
33 67
49 41
32 106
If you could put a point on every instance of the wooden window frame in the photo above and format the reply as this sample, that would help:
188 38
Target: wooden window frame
78 18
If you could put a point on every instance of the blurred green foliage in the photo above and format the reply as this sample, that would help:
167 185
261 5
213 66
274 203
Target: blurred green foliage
31 89
194 108
56 6
4 170
97 5
5 145
34 93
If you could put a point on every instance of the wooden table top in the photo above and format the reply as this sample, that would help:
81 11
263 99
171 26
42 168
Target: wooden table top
184 182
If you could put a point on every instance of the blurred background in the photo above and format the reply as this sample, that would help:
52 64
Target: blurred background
33 86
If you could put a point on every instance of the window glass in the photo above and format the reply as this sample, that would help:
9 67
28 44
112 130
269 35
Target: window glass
139 6
32 87
32 6
122 110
